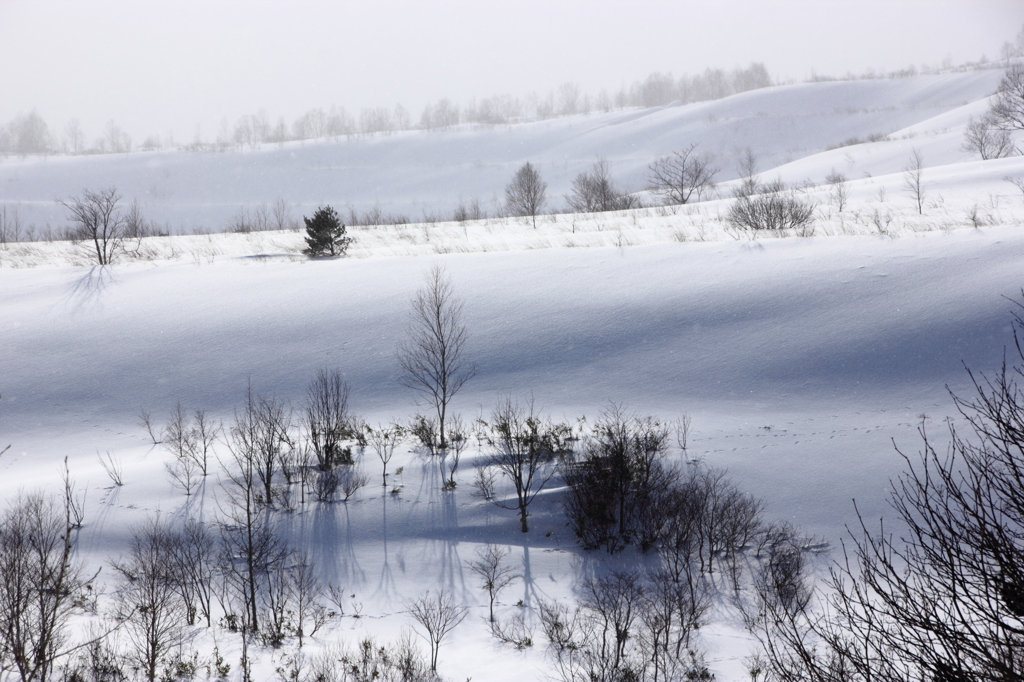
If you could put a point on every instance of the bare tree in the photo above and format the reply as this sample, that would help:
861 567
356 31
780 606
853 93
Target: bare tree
1007 110
249 543
433 356
74 137
525 452
328 419
383 440
98 218
983 138
943 598
148 601
526 194
146 422
912 178
193 554
839 193
683 176
308 590
205 433
1017 181
37 592
746 167
593 191
437 616
495 575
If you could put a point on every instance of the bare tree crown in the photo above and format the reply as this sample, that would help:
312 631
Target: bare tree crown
684 176
526 194
98 218
432 356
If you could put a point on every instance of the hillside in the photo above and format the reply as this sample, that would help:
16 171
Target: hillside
417 172
800 360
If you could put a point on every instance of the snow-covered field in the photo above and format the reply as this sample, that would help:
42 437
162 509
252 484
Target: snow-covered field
799 359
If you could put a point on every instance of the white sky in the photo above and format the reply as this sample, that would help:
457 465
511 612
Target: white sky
158 67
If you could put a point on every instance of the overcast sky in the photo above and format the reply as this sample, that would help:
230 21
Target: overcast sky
165 66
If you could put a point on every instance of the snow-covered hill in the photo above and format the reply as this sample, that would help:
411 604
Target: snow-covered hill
800 360
418 172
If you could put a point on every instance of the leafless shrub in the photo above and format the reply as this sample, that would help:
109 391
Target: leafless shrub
135 224
185 473
384 440
325 485
513 631
882 222
112 466
424 429
774 208
619 482
146 421
912 182
839 192
437 616
682 428
495 575
483 482
982 137
310 614
625 629
350 479
469 211
526 450
450 456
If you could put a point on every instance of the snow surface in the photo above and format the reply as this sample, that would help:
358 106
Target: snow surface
418 172
800 360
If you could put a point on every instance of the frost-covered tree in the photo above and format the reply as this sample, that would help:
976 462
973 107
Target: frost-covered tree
325 235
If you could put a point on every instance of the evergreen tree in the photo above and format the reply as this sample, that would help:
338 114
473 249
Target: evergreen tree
325 235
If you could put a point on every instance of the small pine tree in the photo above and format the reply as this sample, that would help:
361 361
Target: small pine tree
325 235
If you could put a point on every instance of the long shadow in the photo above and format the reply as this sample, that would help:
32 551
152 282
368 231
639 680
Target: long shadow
386 584
353 573
88 288
451 577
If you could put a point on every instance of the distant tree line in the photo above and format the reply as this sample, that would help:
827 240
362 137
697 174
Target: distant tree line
30 134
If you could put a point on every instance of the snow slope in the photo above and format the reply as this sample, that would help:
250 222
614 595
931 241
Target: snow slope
800 361
418 172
